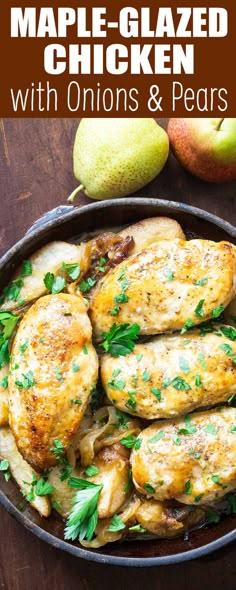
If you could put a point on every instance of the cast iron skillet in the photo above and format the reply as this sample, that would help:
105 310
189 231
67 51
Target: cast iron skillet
69 223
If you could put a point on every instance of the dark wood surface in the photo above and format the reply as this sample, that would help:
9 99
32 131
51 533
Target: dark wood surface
35 176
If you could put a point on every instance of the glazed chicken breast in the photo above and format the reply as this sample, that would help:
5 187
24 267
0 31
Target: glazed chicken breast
192 460
53 370
173 374
166 285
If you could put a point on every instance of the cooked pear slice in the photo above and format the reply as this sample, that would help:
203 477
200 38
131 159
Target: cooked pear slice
148 231
21 471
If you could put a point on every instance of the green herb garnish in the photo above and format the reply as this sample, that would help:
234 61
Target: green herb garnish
73 269
120 340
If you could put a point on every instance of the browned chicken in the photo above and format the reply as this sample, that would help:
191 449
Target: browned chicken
165 286
172 375
53 370
192 460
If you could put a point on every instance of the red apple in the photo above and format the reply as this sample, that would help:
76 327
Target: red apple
205 147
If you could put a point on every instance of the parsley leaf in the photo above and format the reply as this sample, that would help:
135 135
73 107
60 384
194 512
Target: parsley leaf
157 437
12 291
168 274
54 284
73 269
201 282
83 516
187 487
189 429
26 268
156 392
149 488
198 310
116 524
146 376
229 332
4 382
201 360
215 313
27 381
87 284
8 322
120 340
91 470
210 429
180 384
184 365
188 324
131 442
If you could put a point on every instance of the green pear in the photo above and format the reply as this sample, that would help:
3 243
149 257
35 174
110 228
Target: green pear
115 157
205 147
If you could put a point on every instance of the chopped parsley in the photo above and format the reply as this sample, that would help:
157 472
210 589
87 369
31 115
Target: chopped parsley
83 517
4 466
188 324
201 360
73 269
210 429
229 332
198 498
139 357
187 487
184 365
54 284
87 284
26 269
146 376
85 350
137 528
200 282
58 374
189 428
198 381
157 437
75 367
149 488
131 442
116 524
4 382
199 309
180 384
176 439
24 346
121 298
27 381
168 274
215 313
115 310
120 340
12 291
156 392
91 470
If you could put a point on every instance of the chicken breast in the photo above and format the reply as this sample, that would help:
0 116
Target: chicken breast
48 259
148 231
53 370
172 375
165 285
192 460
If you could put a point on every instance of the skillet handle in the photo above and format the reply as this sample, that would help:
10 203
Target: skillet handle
50 216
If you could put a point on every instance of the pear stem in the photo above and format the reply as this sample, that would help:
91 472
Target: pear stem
72 196
218 126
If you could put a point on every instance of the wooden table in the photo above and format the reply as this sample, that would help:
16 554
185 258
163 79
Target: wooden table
35 176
